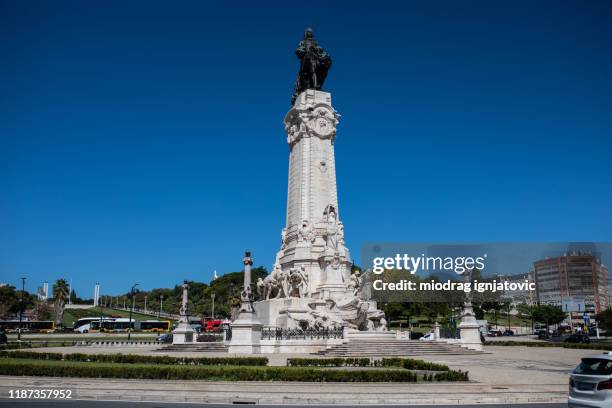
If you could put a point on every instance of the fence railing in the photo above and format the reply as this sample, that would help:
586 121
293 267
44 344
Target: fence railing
277 333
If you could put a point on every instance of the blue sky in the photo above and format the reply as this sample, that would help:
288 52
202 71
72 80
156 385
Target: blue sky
143 141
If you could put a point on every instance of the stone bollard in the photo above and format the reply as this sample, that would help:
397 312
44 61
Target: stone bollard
436 331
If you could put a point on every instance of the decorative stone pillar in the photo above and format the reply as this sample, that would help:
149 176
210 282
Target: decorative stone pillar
183 332
469 329
246 330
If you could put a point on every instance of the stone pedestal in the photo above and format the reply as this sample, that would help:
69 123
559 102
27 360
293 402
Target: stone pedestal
246 335
436 331
183 334
469 329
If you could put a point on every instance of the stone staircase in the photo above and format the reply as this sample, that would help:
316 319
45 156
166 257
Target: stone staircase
393 348
204 347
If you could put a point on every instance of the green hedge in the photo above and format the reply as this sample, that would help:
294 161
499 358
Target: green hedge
329 362
138 359
407 363
413 364
210 373
593 346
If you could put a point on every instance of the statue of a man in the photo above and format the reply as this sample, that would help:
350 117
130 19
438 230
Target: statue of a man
315 64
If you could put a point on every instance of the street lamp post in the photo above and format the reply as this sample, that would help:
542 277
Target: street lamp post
509 316
213 305
161 305
21 307
145 303
131 309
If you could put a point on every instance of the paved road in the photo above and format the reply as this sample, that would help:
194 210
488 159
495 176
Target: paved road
11 403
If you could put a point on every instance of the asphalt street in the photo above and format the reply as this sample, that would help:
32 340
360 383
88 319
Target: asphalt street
11 403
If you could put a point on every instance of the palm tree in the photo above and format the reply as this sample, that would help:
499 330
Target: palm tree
60 296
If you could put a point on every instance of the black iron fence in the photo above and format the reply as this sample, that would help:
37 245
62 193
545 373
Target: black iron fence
449 333
277 333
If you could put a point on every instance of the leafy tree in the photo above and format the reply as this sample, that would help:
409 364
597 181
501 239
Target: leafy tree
492 307
393 311
60 295
604 319
73 296
479 312
527 311
548 314
226 289
12 301
42 311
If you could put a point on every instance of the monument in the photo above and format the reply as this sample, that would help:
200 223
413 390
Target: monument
311 285
246 330
183 332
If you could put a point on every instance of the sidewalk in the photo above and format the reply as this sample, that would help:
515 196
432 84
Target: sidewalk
290 393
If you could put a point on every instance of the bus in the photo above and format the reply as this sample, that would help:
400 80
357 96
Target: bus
211 325
124 324
154 326
37 326
83 325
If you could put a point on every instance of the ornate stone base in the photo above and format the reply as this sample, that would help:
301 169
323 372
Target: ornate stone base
470 335
183 334
246 335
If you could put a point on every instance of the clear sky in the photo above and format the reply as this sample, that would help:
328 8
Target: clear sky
143 141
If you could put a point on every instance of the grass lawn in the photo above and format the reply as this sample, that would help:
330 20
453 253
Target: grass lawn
503 320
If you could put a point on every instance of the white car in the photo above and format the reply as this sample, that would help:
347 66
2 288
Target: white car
590 384
428 337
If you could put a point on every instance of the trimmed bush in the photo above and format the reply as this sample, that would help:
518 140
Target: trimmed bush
407 363
210 373
138 359
451 375
412 364
329 362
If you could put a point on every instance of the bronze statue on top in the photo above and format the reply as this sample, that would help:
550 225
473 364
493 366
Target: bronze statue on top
315 64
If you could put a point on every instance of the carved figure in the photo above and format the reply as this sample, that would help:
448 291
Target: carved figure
355 283
305 233
298 283
261 287
331 229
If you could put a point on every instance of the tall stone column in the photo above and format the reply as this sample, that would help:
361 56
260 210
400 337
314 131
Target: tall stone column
246 294
313 238
183 333
246 330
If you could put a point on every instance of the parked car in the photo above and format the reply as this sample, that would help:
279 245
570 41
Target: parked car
578 338
543 335
494 333
590 384
428 337
164 338
508 332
